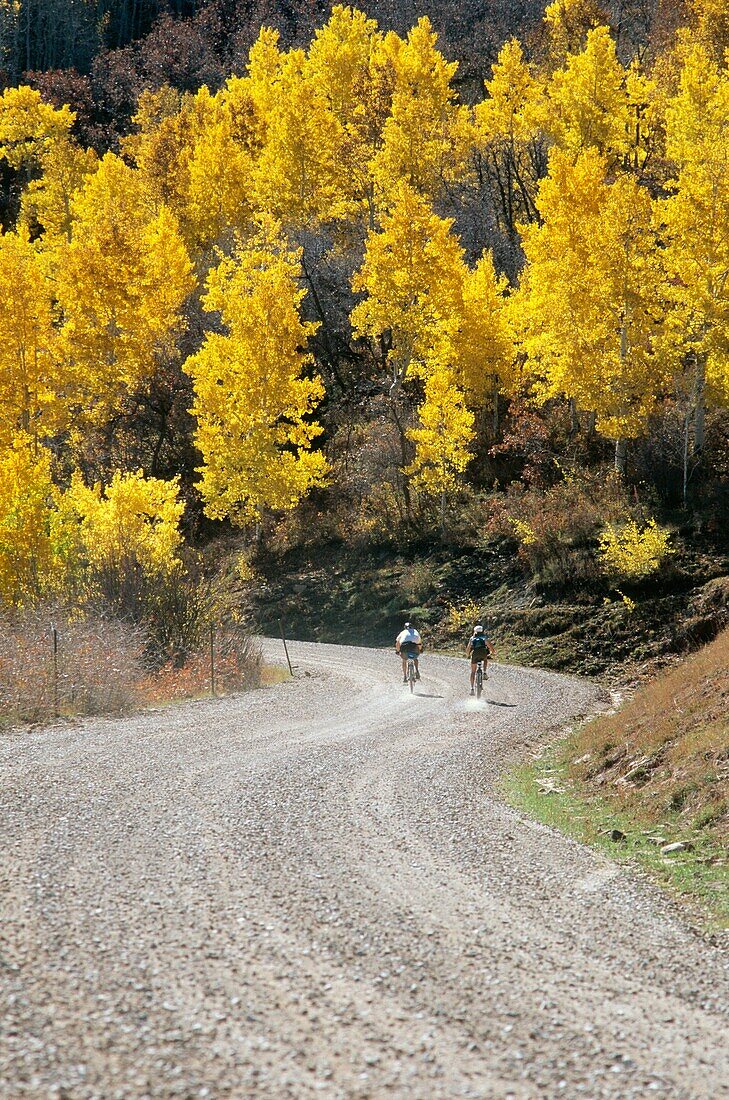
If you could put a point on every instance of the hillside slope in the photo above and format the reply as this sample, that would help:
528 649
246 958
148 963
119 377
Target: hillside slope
664 756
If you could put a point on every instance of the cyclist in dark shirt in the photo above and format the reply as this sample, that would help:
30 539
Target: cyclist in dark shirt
479 648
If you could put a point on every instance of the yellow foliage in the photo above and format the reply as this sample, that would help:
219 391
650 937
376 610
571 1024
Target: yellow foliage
514 108
135 520
696 220
295 177
28 125
252 401
47 201
568 22
26 498
632 551
589 98
427 136
444 436
196 154
524 532
29 381
413 275
483 341
591 294
462 616
121 283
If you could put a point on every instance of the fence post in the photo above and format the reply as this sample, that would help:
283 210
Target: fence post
286 648
54 634
212 660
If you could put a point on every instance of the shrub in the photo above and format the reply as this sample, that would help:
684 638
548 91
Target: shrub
238 667
100 666
462 616
632 551
557 529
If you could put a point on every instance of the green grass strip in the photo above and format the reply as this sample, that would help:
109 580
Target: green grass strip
697 875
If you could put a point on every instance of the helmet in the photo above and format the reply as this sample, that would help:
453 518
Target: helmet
478 630
407 625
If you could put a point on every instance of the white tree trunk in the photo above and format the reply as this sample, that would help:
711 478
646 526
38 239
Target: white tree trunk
621 456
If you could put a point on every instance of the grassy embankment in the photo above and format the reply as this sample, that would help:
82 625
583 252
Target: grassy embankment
650 782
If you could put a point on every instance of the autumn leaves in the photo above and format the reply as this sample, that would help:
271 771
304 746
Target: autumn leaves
603 188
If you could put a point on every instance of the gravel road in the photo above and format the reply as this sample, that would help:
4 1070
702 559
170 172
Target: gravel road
314 891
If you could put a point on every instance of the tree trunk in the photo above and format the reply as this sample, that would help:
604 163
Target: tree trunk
574 417
699 406
686 433
621 456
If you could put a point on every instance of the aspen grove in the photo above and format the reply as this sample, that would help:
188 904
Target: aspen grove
335 266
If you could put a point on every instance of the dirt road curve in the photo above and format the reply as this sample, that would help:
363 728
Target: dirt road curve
313 891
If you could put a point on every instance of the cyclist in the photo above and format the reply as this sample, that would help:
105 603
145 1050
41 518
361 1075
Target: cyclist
409 644
479 648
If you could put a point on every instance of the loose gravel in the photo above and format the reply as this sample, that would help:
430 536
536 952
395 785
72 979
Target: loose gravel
314 891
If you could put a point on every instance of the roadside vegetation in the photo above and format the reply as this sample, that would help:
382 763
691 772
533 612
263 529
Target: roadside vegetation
650 782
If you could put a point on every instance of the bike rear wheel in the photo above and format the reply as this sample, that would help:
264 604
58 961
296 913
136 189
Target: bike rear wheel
411 675
479 680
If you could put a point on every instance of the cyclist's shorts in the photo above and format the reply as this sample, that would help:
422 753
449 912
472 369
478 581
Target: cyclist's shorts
480 655
408 651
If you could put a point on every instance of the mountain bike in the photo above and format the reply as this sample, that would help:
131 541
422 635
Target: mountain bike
411 674
481 675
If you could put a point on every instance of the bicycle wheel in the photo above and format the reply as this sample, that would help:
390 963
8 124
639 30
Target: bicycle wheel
411 675
479 680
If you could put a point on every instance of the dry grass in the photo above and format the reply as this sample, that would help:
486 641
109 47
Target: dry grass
237 664
102 667
99 666
664 756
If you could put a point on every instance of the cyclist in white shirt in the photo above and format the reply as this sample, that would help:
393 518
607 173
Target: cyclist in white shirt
409 644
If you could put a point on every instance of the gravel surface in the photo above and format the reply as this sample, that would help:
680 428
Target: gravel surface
314 890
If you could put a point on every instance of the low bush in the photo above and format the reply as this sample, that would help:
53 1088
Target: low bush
557 530
236 664
632 551
98 667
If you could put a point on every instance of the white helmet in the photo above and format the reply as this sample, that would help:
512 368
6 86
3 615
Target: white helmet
478 630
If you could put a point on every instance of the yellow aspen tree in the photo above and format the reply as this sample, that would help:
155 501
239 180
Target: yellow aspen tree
47 201
121 283
354 66
589 303
29 381
428 136
195 155
26 499
254 398
508 125
340 55
28 125
443 437
588 99
412 278
264 66
710 23
295 176
695 222
483 344
567 24
220 169
132 522
160 145
645 137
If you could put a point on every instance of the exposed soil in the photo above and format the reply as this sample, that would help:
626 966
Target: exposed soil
332 592
314 890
